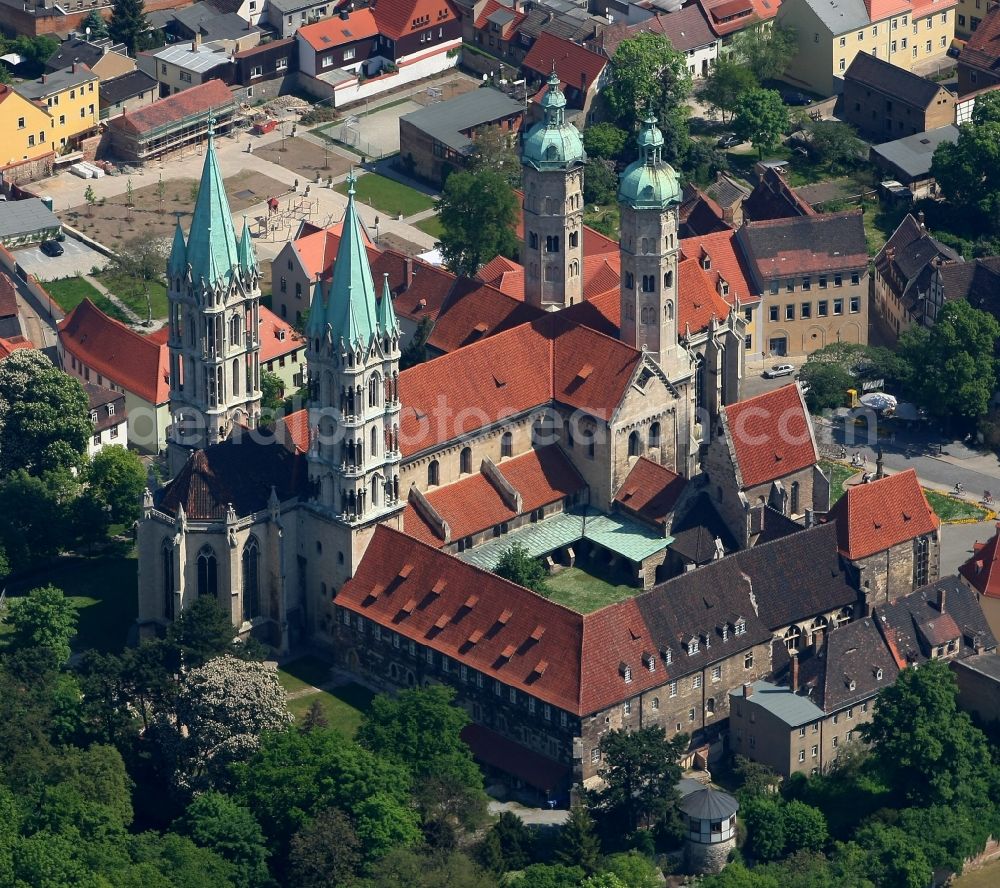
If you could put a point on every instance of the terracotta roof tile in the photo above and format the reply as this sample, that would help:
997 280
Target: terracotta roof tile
805 244
317 250
12 344
542 476
492 7
650 491
771 435
982 50
203 97
982 570
396 18
697 299
504 274
336 31
8 297
277 337
470 506
874 517
576 65
474 311
725 261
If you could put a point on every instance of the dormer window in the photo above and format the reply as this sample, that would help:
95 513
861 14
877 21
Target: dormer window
878 675
93 416
693 646
852 685
649 660
668 656
725 632
111 409
740 627
627 673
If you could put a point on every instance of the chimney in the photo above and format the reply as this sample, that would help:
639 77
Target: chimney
879 465
196 42
810 518
344 14
747 691
920 219
795 674
942 599
407 272
72 68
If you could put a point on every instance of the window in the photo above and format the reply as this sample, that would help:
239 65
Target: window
855 304
789 312
185 76
506 445
513 695
716 673
673 688
822 308
62 120
696 681
628 675
843 41
921 561
692 646
20 123
815 751
772 314
740 627
855 278
433 473
207 572
627 707
349 53
774 288
691 714
836 742
465 461
552 243
327 62
806 310
257 71
789 286
167 573
748 660
595 755
31 140
281 64
838 306
251 580
842 65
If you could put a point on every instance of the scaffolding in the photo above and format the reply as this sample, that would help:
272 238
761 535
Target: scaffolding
160 140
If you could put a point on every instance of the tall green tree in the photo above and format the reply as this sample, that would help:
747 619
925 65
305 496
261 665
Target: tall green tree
725 85
600 182
495 148
604 141
577 843
201 632
325 851
44 619
117 477
892 857
216 822
760 117
646 72
95 21
765 50
44 415
37 517
516 565
128 24
478 212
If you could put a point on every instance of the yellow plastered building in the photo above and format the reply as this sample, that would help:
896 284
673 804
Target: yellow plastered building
71 100
25 127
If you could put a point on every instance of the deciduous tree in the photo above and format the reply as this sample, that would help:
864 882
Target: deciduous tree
519 567
117 477
44 619
325 851
600 182
216 822
604 141
646 73
495 148
760 117
836 144
765 50
478 212
725 85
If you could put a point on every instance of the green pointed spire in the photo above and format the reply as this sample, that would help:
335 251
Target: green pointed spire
211 248
248 258
177 263
317 312
386 313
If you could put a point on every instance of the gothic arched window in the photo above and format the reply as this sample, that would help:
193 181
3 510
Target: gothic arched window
654 435
633 444
167 569
433 473
506 445
236 377
374 436
795 498
251 580
234 330
373 387
208 573
465 461
649 314
668 280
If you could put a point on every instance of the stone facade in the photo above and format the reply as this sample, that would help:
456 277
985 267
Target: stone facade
887 575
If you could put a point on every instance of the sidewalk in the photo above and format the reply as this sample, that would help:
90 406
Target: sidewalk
121 306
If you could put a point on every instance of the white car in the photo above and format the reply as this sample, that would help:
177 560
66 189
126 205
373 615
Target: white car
779 370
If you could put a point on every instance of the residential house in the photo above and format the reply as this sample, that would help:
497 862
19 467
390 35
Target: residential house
267 70
27 221
127 93
689 32
168 124
495 29
109 418
772 198
979 61
883 100
421 36
72 99
285 17
726 17
982 573
103 56
27 152
343 43
438 139
905 275
976 281
213 24
811 273
971 17
908 160
183 65
730 195
282 351
699 214
911 34
582 73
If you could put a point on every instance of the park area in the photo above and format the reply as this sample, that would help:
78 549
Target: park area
309 680
388 196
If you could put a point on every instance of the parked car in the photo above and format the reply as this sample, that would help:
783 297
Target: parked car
728 141
779 370
52 248
797 98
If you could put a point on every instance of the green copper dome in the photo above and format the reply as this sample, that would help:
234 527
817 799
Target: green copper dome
553 143
650 182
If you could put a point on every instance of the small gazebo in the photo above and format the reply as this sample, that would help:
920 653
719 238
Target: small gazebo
711 829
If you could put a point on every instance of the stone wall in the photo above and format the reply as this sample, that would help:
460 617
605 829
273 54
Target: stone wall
887 575
29 170
704 859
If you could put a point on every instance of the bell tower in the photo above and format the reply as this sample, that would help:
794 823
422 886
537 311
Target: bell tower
553 160
214 321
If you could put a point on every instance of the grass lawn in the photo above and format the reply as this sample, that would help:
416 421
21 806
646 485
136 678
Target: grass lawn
986 877
388 195
70 292
104 590
951 508
431 226
304 673
343 706
604 219
130 292
838 473
584 592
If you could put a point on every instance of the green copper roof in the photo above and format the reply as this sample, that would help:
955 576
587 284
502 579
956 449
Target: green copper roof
349 306
177 264
650 182
211 247
553 143
386 312
248 258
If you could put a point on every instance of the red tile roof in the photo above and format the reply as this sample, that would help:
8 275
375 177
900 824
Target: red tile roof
718 10
317 250
697 299
771 435
982 50
541 476
277 337
139 364
576 65
504 274
982 570
205 96
805 244
474 311
336 31
470 506
13 344
650 491
397 18
493 6
686 28
296 430
601 275
874 517
725 261
8 297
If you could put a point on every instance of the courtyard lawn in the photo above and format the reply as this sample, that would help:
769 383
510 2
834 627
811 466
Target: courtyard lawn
952 509
344 707
431 226
304 673
131 293
838 473
584 592
388 195
70 292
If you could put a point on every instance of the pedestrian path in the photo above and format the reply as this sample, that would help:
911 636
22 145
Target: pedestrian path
121 306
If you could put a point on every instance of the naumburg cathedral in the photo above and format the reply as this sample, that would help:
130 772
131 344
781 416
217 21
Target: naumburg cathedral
271 522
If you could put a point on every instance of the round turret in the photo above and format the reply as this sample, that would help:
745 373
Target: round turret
553 143
650 182
711 829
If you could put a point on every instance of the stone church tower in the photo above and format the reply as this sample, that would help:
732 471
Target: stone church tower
353 354
648 196
553 159
214 340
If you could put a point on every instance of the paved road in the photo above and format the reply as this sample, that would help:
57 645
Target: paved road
77 258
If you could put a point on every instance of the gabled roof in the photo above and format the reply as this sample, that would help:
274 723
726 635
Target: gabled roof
277 337
12 344
982 49
770 435
474 311
840 15
855 654
874 517
398 18
805 244
725 261
338 31
700 214
452 122
687 28
576 65
892 81
982 570
126 86
138 364
698 302
504 274
211 95
317 250
912 154
650 491
55 82
773 198
416 295
726 16
504 17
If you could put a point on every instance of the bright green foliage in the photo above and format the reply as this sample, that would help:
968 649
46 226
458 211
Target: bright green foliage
44 619
957 372
201 632
760 117
416 869
600 182
173 861
604 141
736 875
44 415
325 851
836 144
519 567
549 875
765 50
128 24
271 388
577 843
947 835
633 870
478 212
117 477
37 519
646 71
765 828
828 384
804 827
725 84
216 822
603 880
893 857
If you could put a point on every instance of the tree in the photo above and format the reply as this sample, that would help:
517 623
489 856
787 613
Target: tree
201 632
44 619
128 24
968 170
804 827
325 851
519 567
646 73
725 85
90 196
508 846
828 384
835 144
419 869
633 870
315 717
765 828
893 857
954 363
141 260
494 148
36 525
577 843
600 182
96 23
271 391
604 141
760 117
44 415
550 875
640 770
216 822
478 212
767 51
223 708
117 477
